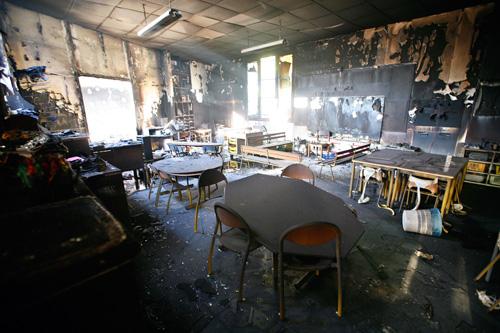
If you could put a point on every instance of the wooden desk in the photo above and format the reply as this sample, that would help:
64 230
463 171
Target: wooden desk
270 205
419 164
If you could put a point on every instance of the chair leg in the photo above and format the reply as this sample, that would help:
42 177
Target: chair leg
151 182
487 268
243 266
211 250
402 200
170 197
495 253
158 191
275 270
196 212
282 288
339 291
339 281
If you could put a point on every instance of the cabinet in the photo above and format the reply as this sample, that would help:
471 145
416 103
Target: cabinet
483 167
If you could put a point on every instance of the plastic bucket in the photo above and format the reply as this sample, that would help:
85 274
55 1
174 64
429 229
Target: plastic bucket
423 221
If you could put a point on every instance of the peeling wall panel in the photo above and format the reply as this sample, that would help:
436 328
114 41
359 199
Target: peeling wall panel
98 54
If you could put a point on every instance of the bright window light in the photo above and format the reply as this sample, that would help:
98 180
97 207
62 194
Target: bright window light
109 108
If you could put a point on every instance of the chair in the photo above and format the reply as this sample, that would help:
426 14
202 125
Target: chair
309 234
175 187
431 187
298 171
207 178
237 238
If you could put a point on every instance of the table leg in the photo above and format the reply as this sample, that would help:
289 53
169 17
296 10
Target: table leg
136 178
451 196
444 204
353 172
391 185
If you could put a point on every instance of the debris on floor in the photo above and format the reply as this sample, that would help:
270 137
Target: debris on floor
487 300
424 255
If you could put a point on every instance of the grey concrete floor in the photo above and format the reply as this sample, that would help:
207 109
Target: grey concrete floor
387 288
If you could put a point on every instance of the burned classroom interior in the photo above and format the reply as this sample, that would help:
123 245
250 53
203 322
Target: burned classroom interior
254 166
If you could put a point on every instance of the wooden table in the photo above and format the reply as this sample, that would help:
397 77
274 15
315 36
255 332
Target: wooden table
270 205
419 164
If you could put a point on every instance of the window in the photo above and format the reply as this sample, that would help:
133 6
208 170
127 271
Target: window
253 89
268 100
262 88
109 108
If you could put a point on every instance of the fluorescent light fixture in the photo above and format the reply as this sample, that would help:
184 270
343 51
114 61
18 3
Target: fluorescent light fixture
162 21
264 46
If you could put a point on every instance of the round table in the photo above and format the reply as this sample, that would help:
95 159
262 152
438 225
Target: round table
188 165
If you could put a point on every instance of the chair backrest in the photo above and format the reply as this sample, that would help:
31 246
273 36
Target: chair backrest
211 177
229 217
298 171
311 234
428 184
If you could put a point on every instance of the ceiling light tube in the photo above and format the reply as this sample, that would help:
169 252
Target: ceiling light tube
162 21
264 46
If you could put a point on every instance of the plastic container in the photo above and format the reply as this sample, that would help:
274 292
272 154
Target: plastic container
423 221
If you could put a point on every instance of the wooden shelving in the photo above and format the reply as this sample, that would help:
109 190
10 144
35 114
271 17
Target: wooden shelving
483 168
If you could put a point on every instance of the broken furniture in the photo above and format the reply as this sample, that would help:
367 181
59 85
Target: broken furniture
107 185
125 156
206 180
51 248
298 171
340 156
187 167
420 164
271 205
237 237
310 235
483 168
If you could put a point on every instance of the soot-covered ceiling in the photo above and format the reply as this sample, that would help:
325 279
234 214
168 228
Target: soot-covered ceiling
211 30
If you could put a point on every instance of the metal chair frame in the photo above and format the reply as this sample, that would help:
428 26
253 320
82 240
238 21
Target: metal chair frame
234 221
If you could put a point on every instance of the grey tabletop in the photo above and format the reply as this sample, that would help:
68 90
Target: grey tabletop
188 164
410 161
270 205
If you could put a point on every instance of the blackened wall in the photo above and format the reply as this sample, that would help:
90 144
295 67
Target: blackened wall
446 63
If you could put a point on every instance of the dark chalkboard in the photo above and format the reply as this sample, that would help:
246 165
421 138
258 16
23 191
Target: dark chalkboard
390 84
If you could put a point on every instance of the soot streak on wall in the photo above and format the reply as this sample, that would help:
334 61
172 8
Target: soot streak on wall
227 92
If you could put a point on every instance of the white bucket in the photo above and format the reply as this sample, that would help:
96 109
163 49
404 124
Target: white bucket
423 221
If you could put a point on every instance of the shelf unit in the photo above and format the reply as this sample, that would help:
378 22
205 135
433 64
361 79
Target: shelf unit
183 108
483 167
